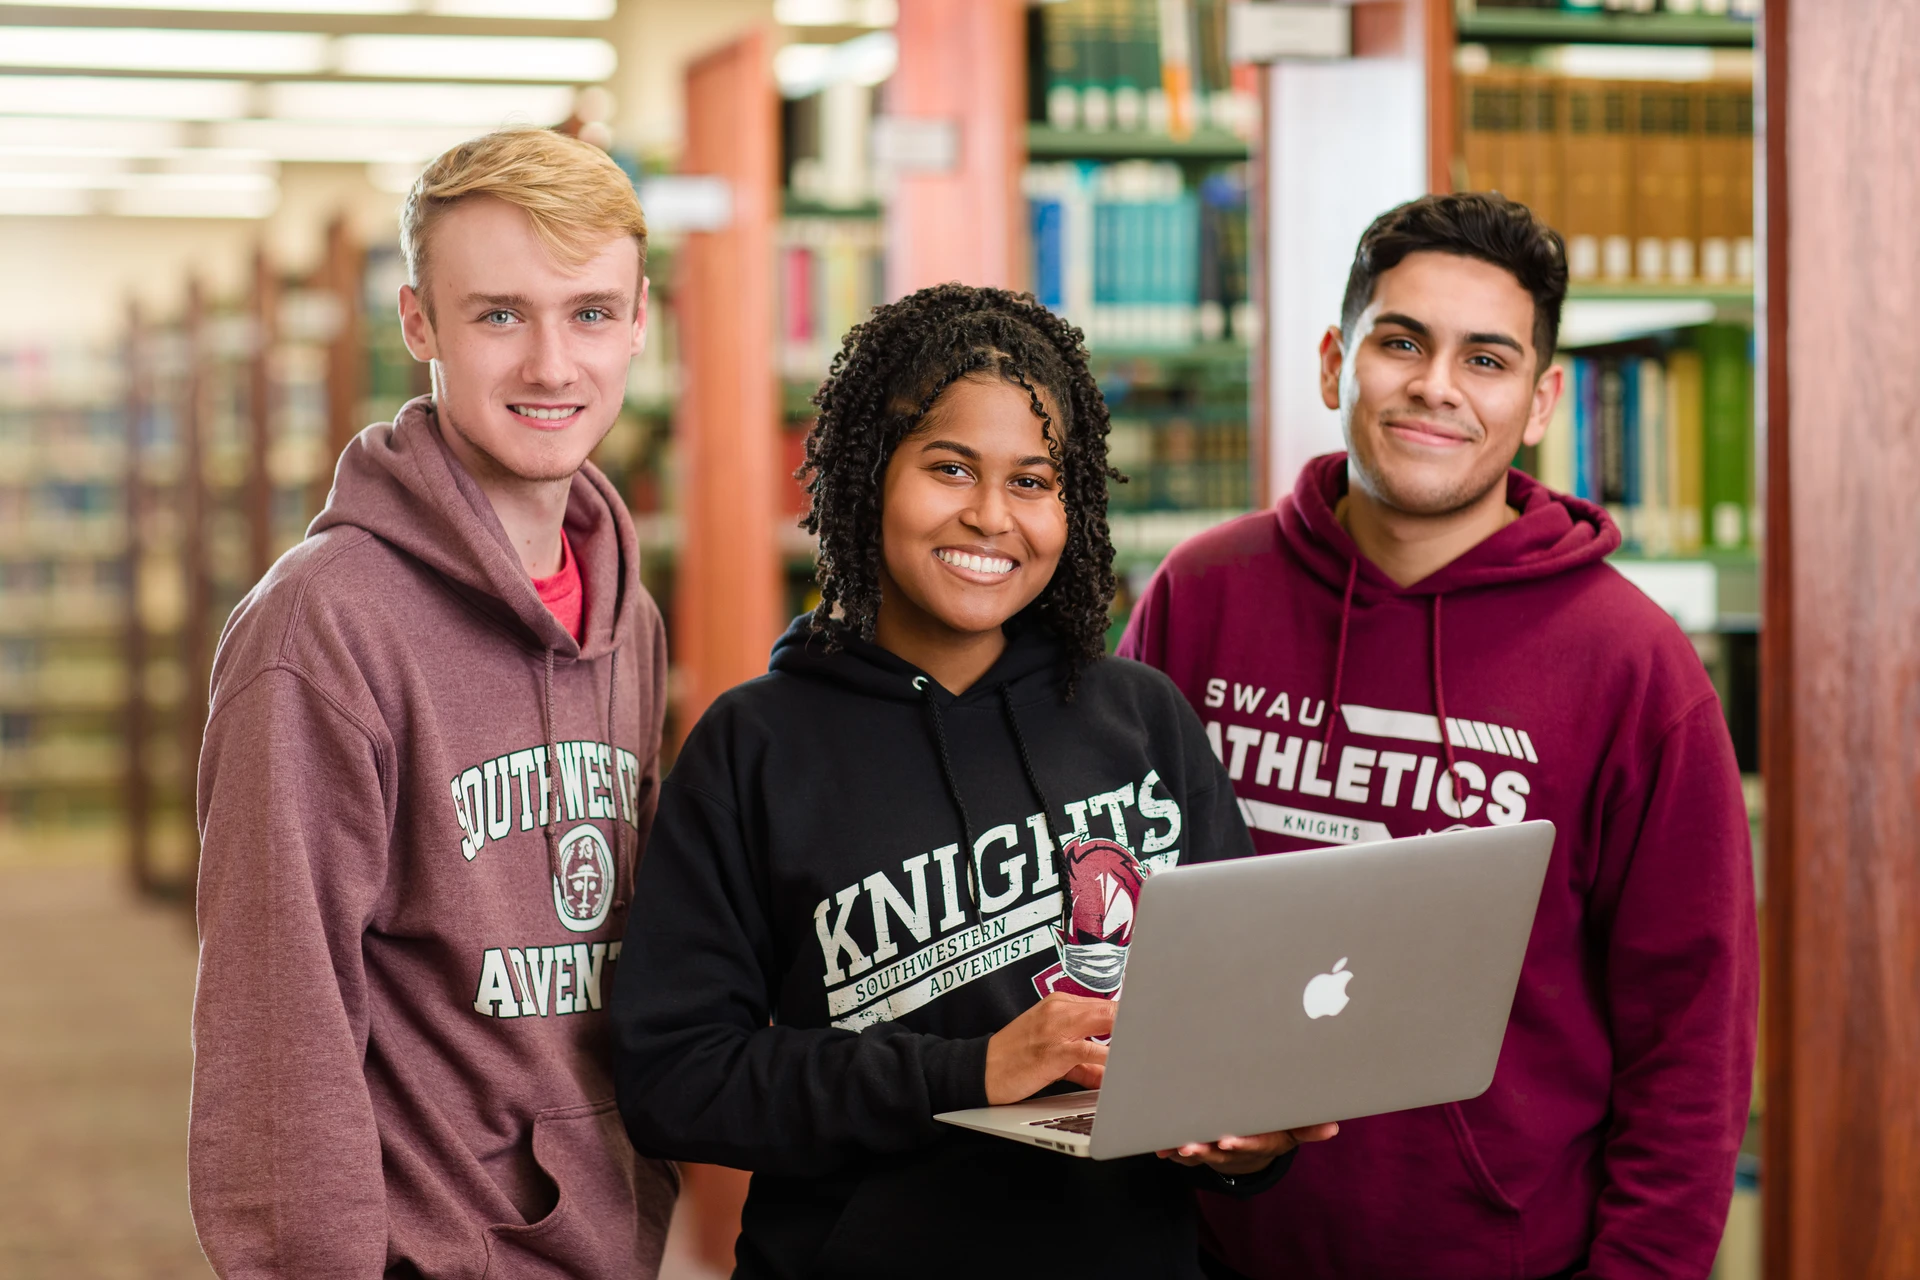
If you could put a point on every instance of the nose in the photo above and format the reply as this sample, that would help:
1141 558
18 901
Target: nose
1434 386
990 512
548 362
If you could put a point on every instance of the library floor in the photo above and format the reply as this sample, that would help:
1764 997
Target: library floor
94 1071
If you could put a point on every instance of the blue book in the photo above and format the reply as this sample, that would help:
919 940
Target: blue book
1586 413
1049 262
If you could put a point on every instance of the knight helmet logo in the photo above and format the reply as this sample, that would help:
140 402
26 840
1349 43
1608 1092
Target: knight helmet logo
1103 882
584 889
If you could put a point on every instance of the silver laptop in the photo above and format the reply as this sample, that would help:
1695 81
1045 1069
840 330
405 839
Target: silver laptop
1274 992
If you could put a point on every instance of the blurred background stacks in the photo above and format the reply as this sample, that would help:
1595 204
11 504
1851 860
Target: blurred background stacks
198 268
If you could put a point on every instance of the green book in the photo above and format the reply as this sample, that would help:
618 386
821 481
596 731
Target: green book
1060 28
1726 455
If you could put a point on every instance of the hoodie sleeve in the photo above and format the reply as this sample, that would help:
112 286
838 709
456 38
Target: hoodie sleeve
699 1072
1676 889
283 1156
1145 639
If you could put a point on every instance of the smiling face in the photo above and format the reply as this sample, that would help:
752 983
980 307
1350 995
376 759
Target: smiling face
530 355
1438 385
972 525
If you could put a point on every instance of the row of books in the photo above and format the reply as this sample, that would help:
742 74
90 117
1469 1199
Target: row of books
1647 180
1179 464
1708 8
832 273
1153 66
1135 257
1663 439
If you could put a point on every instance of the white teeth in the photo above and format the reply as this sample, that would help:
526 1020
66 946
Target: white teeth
543 415
979 564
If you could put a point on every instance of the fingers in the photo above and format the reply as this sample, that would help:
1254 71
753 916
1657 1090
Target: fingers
1316 1132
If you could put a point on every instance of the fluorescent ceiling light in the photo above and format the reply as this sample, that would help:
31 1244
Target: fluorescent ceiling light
134 137
44 203
545 10
131 98
18 179
298 140
192 203
836 13
165 49
553 58
481 106
350 7
804 69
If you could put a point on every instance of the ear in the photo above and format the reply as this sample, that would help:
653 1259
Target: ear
1333 358
1546 394
640 320
415 327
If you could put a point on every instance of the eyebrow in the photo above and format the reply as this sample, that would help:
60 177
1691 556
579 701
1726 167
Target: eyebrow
1489 339
972 454
607 299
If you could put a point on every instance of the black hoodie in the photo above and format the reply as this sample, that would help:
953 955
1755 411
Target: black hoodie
812 971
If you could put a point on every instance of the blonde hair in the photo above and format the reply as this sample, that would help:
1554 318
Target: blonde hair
573 193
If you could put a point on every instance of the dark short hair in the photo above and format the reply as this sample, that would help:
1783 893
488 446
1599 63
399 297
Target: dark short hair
1472 224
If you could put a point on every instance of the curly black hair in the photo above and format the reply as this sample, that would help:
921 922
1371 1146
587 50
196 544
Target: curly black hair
888 374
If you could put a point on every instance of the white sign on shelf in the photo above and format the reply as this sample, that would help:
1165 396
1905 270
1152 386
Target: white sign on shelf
1266 31
686 202
1687 589
916 144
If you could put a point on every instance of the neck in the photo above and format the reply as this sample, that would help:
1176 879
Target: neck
956 659
1408 548
531 511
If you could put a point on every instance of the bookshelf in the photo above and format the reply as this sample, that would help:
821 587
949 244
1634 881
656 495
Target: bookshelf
1633 134
1548 26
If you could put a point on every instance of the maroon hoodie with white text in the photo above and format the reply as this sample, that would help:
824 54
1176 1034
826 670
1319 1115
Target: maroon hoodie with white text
421 805
1526 679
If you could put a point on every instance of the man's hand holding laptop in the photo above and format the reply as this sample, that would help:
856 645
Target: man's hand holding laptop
1054 1040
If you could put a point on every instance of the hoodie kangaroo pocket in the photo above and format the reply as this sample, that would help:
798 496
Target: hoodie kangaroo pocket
610 1219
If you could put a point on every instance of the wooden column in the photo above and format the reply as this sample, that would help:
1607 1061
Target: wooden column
260 405
346 350
962 61
196 627
1841 650
138 724
727 613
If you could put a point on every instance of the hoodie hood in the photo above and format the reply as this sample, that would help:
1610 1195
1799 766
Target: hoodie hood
1032 662
1554 534
401 483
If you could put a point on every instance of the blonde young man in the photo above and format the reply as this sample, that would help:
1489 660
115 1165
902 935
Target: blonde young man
428 776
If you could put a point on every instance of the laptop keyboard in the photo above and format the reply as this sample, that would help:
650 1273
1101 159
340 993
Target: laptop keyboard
1082 1123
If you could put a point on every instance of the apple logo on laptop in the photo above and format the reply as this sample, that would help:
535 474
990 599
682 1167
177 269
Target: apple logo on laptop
1327 995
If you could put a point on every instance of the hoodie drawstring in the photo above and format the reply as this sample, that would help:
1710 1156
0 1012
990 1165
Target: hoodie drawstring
625 845
553 773
1065 926
1340 653
925 688
625 848
1440 703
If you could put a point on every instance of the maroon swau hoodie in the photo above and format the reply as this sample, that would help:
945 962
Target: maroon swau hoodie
421 804
1610 1131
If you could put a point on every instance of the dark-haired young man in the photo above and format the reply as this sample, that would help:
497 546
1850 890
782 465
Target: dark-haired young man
1419 638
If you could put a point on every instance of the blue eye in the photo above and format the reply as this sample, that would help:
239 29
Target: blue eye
595 314
498 317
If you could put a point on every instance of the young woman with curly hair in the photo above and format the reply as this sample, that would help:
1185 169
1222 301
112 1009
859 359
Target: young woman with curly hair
894 876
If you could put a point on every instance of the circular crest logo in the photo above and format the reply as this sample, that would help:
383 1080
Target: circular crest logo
584 890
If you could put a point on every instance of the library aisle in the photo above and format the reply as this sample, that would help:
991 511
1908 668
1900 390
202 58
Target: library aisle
94 1069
